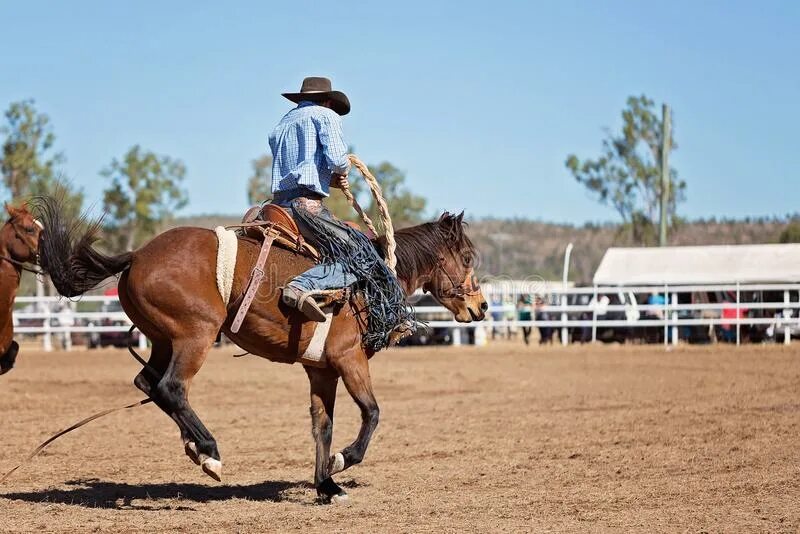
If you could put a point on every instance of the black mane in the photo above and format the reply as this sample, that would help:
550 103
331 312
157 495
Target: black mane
419 248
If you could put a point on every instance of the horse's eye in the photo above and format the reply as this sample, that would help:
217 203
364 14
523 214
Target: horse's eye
30 231
467 260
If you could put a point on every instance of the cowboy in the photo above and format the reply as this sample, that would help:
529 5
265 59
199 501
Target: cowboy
310 157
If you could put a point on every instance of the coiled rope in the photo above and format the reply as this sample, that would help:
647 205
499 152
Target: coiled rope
383 209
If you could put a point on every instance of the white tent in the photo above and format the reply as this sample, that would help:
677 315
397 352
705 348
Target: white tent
719 264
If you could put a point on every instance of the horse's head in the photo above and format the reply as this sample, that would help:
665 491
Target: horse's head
440 258
21 234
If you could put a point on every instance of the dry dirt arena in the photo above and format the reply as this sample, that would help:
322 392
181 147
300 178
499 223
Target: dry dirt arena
505 439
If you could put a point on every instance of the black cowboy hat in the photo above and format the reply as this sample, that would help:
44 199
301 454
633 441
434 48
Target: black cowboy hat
318 89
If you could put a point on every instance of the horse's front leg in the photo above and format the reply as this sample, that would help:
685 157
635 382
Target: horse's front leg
323 398
9 357
354 370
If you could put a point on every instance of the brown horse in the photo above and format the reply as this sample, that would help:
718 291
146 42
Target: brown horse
19 243
168 289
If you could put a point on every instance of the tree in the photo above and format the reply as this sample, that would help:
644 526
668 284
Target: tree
27 148
28 164
791 233
405 208
144 193
627 175
258 185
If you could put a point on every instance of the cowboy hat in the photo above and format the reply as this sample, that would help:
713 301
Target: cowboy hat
318 89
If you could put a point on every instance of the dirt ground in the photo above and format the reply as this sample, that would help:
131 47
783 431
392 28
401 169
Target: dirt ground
504 438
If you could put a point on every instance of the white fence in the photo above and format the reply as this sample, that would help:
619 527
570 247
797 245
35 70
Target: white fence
568 309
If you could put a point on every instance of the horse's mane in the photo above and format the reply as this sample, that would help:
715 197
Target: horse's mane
419 248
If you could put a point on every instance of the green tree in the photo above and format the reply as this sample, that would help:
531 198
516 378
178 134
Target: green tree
791 232
144 192
27 150
258 185
28 164
405 208
627 175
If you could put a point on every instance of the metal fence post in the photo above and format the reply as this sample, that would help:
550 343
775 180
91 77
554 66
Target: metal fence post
674 320
564 330
142 341
665 315
738 312
787 314
594 315
48 339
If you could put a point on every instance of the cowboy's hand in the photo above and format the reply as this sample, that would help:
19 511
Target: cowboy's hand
339 181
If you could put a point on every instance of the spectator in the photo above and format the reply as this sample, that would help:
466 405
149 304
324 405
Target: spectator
524 314
545 332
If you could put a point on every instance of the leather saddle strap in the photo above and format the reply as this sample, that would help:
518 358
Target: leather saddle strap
255 280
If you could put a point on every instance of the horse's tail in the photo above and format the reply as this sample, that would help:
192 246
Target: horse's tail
67 253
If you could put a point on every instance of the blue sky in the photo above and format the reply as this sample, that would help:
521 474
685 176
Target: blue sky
479 102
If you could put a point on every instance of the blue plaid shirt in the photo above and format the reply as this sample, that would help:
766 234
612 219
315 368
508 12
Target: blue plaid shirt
307 148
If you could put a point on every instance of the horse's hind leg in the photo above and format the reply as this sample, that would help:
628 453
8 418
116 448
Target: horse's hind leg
160 357
323 398
172 395
354 370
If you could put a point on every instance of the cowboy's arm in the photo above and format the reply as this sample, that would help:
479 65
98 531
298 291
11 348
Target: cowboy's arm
334 147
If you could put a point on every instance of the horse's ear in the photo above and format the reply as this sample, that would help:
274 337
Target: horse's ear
11 210
460 218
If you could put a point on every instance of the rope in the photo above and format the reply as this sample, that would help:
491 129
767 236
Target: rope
22 265
383 209
91 418
77 425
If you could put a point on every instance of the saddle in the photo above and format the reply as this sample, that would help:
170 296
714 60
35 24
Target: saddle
272 224
259 221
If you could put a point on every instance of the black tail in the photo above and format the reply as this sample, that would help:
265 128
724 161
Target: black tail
66 250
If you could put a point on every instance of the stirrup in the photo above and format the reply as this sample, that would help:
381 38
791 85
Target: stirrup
303 302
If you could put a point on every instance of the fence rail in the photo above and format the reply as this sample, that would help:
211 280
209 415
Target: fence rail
56 316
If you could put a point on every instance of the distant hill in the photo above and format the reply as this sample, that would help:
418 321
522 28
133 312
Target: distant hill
537 248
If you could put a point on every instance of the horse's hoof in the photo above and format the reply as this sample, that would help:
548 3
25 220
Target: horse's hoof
212 468
337 463
191 451
340 499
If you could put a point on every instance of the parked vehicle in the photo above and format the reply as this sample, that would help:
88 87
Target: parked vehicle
119 339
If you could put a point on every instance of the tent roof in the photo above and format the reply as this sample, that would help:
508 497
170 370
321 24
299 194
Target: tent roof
718 264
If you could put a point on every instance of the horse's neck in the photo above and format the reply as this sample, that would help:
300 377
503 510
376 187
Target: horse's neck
412 277
8 269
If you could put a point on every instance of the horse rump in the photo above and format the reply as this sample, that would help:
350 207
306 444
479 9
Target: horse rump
66 250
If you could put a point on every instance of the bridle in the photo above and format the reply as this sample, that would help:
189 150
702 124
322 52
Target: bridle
32 248
457 291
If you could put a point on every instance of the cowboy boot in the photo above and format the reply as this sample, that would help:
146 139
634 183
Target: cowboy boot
304 302
404 329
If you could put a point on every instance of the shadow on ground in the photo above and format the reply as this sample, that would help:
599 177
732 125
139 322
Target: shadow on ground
93 493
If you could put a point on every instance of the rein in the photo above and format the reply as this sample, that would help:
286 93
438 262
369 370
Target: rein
21 265
456 290
34 250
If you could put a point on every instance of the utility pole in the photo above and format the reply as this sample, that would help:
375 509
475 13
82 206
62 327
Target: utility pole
666 146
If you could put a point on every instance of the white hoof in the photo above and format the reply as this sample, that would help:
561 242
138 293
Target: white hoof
211 467
338 463
342 498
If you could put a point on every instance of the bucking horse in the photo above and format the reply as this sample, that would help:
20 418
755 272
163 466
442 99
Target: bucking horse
169 289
